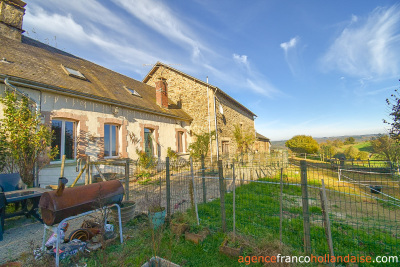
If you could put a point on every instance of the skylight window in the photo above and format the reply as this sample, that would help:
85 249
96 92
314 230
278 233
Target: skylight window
132 91
74 73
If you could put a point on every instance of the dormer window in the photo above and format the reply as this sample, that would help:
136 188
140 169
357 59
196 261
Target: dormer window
132 91
74 73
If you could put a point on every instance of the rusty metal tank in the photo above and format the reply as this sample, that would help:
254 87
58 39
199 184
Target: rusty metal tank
80 199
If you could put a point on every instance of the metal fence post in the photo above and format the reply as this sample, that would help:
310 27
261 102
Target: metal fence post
222 194
127 179
168 188
306 214
203 175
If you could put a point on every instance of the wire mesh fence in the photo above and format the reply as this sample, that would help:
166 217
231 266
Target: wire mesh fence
282 200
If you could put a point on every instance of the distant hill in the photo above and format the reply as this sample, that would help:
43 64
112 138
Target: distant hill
358 139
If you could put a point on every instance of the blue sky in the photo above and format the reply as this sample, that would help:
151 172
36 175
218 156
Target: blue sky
320 68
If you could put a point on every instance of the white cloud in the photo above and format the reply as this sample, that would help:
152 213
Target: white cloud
241 59
65 27
369 47
291 55
262 87
161 18
291 44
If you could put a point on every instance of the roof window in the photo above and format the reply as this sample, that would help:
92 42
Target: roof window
74 73
132 91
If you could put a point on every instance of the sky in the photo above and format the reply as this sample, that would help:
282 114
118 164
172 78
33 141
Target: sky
319 68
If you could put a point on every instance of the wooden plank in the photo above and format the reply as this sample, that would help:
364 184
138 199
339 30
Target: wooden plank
327 224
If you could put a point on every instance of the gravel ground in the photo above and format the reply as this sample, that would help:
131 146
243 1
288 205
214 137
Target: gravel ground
25 234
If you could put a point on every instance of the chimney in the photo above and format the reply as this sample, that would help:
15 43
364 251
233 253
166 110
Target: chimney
162 92
11 15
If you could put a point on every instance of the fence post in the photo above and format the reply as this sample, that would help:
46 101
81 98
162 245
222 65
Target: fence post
203 175
281 210
194 191
234 198
222 194
168 188
127 179
306 214
88 170
325 214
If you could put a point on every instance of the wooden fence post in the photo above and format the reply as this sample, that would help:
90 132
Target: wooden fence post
127 179
234 198
88 170
168 188
325 214
203 175
222 194
306 214
281 209
194 191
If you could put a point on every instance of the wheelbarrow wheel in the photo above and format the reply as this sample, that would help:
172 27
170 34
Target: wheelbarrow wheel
81 234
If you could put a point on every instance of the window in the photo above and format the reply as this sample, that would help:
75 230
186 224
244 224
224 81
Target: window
225 147
148 141
180 141
64 138
132 91
74 73
110 140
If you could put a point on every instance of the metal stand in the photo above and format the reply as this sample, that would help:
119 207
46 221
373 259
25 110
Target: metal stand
58 231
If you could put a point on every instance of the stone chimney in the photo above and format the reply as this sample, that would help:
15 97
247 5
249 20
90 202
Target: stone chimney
11 15
162 92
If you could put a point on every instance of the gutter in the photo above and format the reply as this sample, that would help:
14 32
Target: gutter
9 85
64 91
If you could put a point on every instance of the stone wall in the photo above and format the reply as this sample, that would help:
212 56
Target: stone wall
191 95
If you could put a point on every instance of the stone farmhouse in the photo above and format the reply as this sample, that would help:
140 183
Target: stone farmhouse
211 108
100 113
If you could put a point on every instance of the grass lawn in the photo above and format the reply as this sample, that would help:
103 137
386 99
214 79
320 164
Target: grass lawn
355 229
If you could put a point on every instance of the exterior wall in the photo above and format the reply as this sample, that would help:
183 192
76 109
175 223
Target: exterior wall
90 117
262 146
192 97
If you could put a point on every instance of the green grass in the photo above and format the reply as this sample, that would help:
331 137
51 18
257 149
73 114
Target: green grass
364 146
257 219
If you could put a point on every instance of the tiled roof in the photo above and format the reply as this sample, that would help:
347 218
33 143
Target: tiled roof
219 91
261 137
39 63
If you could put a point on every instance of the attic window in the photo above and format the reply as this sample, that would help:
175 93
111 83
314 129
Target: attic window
74 73
132 91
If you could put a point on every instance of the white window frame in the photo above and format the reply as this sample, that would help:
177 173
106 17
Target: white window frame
62 147
117 138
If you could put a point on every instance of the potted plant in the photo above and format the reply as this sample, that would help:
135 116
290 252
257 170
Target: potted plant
127 211
197 233
179 223
231 246
156 213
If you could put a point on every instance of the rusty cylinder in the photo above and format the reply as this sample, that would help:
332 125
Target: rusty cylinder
80 199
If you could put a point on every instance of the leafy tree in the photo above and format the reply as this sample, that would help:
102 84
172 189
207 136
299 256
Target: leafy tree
244 140
24 139
349 141
351 152
337 143
363 155
302 144
387 147
201 145
394 105
328 149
